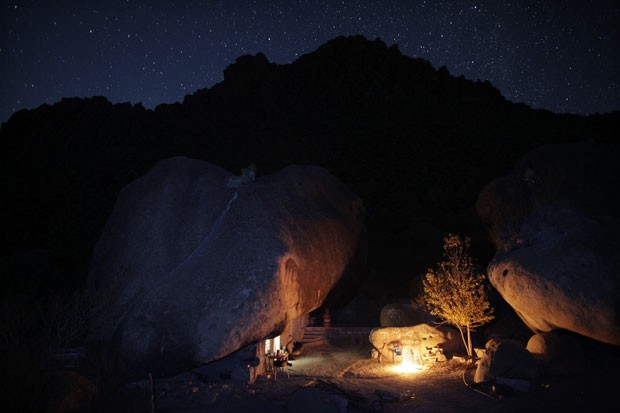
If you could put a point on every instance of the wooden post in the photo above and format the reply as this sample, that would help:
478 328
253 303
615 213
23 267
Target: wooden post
152 383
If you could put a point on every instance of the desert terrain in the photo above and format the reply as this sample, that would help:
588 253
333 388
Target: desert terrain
348 380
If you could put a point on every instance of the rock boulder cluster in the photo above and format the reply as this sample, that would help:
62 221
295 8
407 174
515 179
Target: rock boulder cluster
555 222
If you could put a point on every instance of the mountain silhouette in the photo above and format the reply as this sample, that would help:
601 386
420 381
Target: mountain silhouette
414 142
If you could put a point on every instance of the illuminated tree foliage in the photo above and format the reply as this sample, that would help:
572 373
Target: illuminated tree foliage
454 293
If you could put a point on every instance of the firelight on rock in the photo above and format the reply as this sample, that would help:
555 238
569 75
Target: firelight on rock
411 362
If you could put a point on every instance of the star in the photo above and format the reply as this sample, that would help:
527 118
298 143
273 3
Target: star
547 55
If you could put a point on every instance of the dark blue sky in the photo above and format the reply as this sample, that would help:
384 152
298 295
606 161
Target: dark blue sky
559 55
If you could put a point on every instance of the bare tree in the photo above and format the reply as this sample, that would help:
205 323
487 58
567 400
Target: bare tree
16 320
66 318
455 293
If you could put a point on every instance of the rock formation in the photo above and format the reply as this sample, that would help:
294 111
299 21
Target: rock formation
555 222
415 143
401 315
192 268
416 337
506 359
557 353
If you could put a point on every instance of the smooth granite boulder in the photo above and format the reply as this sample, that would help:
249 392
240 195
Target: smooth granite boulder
194 263
555 222
418 338
506 359
558 353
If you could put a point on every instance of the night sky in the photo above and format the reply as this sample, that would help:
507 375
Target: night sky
559 55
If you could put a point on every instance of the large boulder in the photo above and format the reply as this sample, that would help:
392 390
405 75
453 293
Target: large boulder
557 353
506 359
556 226
401 315
194 263
418 337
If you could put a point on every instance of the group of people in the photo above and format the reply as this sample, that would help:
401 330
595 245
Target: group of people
279 361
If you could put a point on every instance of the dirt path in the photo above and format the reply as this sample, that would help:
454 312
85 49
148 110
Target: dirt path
438 389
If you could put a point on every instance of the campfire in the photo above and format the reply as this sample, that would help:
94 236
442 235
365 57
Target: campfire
411 361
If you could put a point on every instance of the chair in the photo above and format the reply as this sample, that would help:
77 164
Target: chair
279 364
269 367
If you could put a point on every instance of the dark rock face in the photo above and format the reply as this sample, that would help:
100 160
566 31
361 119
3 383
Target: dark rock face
401 315
557 353
416 143
556 226
360 311
194 265
505 359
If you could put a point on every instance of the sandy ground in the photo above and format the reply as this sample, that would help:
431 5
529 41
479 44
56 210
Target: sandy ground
350 374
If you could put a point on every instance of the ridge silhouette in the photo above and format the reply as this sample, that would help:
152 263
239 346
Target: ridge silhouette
414 142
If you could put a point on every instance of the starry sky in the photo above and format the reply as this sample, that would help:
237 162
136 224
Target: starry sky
559 55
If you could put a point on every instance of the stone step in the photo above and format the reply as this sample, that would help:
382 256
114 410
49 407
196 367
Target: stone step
313 339
313 344
314 335
316 332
